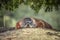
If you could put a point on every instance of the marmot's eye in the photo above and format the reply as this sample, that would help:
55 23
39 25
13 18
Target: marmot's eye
27 19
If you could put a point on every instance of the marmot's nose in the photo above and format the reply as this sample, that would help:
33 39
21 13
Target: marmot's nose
27 25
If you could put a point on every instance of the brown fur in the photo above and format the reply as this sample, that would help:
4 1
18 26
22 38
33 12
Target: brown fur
39 23
18 25
42 24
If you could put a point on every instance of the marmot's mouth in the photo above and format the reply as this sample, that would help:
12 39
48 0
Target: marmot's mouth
28 25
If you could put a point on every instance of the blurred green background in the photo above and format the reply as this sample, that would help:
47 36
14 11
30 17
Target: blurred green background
9 18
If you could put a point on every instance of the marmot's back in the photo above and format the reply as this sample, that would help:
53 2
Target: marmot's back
42 24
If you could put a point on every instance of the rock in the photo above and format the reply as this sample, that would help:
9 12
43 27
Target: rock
30 34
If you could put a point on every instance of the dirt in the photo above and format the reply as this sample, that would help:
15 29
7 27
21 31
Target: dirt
30 34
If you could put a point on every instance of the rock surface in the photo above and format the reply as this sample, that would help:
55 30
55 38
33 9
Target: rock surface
30 34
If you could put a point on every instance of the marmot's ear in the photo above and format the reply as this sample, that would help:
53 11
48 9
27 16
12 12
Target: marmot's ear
18 25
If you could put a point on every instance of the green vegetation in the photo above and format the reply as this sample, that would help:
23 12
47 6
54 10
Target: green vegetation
34 4
12 11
